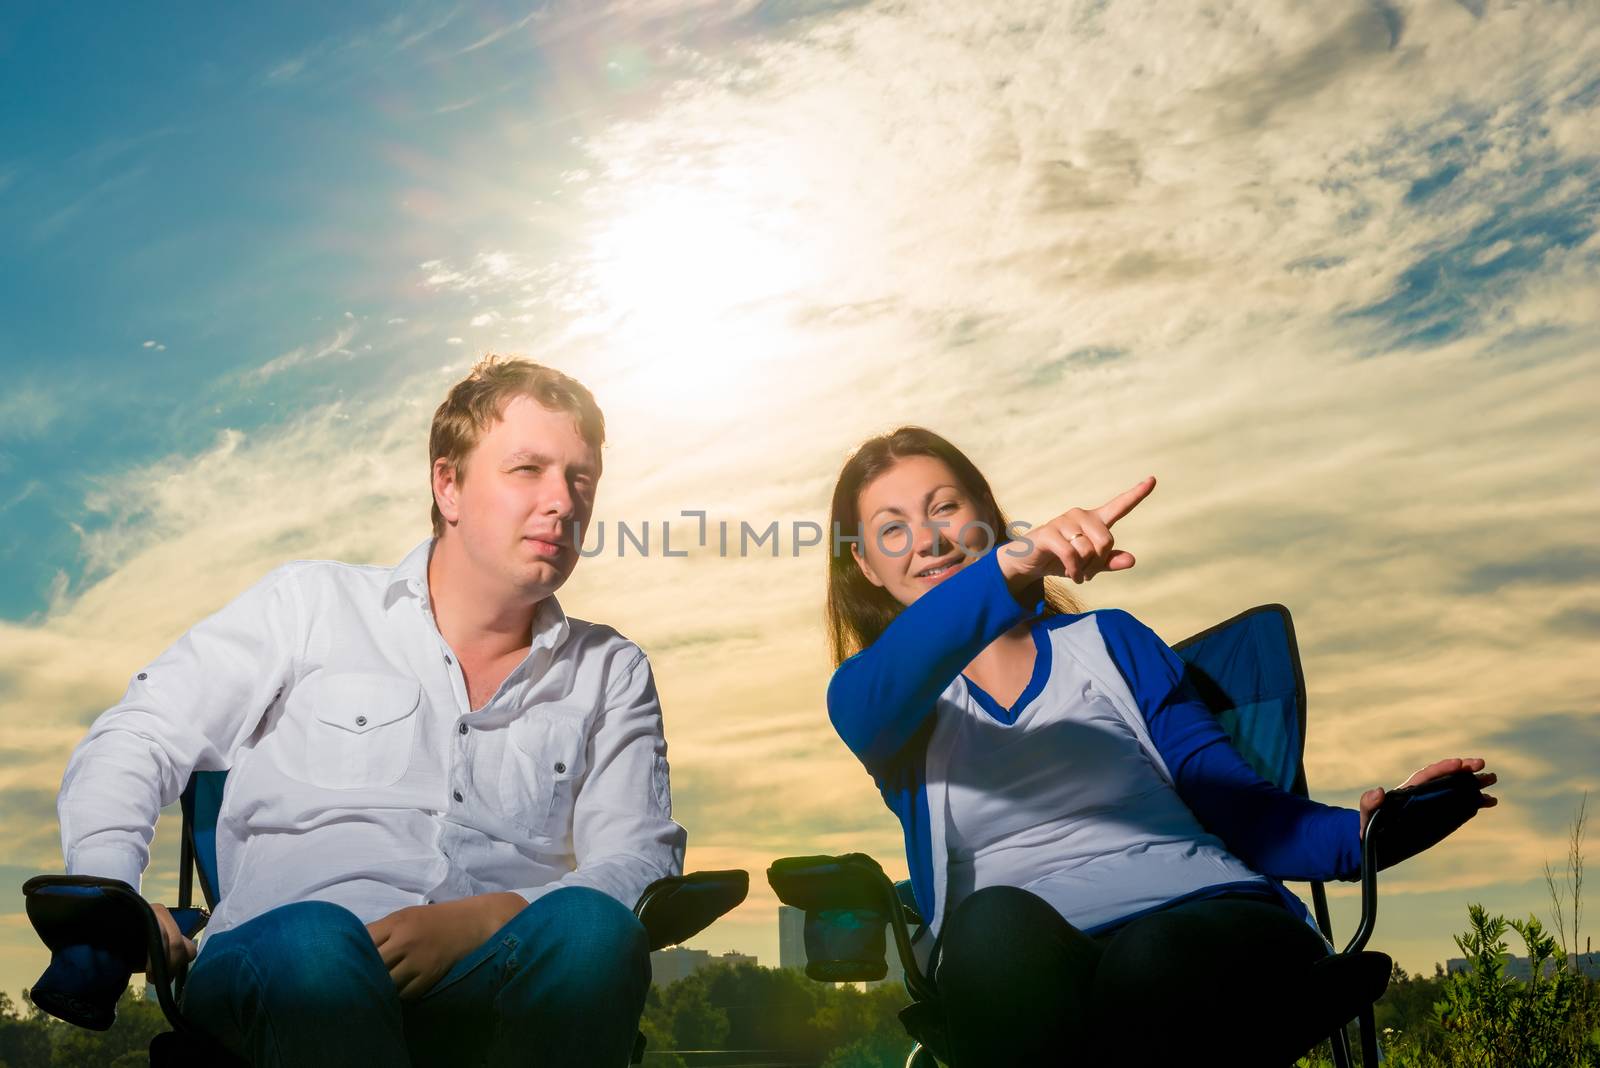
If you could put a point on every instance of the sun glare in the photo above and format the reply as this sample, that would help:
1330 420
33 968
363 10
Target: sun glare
691 289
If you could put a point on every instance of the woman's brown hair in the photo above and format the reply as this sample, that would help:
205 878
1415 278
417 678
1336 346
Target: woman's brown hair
858 611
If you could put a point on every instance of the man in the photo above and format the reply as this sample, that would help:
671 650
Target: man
444 796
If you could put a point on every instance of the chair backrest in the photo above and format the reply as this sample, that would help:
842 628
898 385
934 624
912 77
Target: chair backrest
201 801
1247 669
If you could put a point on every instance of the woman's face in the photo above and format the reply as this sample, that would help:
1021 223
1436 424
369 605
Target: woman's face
915 519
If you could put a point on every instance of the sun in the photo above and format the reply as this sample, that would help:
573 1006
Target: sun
692 287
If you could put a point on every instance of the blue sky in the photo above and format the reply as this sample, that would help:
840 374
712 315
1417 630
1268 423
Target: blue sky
1329 273
217 182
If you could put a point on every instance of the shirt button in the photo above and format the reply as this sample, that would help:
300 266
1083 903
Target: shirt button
143 676
561 769
361 721
457 795
462 728
447 659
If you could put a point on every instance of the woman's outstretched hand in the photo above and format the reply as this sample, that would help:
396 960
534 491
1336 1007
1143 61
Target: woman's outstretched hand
1437 770
1077 544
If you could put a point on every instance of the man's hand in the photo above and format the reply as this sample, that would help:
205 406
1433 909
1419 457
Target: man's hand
421 943
1076 544
1437 770
180 950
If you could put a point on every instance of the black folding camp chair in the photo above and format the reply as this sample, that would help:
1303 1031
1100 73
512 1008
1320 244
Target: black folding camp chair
100 931
1247 669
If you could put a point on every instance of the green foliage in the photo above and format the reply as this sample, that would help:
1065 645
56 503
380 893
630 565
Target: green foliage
863 1030
24 1042
1485 1018
1490 1019
655 1024
31 1039
694 1022
755 1008
869 1053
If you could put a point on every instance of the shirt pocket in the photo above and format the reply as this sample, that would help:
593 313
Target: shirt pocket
544 761
361 730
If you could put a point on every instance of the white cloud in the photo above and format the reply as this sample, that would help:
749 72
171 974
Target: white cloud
27 412
503 31
287 71
303 354
111 189
29 489
454 106
497 271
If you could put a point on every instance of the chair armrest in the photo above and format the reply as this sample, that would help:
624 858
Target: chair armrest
679 907
1410 820
99 932
848 900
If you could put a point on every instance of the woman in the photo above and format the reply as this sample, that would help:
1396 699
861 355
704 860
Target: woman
1092 853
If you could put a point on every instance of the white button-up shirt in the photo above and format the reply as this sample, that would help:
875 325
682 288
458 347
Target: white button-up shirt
358 772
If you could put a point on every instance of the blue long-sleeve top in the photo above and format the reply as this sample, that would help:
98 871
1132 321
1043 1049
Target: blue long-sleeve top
882 702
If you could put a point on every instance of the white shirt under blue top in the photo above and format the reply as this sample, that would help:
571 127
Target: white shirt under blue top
1108 788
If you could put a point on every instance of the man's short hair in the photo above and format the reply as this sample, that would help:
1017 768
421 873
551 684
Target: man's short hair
478 400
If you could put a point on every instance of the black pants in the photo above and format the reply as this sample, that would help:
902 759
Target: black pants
1211 981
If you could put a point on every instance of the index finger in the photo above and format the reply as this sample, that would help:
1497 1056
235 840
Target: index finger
1124 502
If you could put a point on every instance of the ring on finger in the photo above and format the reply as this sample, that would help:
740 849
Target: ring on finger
1079 534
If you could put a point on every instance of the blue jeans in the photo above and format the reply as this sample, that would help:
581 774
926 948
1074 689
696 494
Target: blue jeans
563 983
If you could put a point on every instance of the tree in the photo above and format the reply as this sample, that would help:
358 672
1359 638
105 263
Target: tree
24 1039
695 1022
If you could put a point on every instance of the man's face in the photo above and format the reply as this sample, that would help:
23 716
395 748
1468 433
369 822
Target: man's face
528 488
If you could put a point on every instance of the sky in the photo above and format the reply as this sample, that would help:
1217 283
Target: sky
1329 271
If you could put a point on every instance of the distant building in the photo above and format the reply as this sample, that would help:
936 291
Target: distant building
1521 968
791 938
670 965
